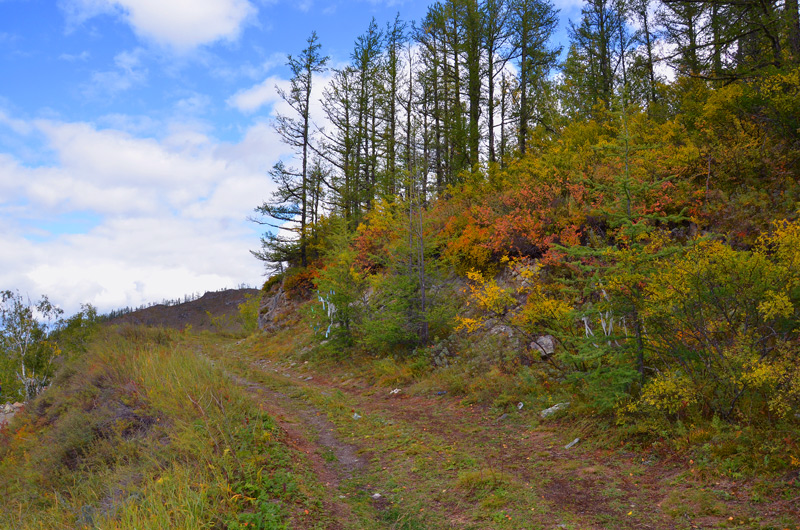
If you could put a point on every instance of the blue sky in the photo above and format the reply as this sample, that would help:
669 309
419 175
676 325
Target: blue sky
135 137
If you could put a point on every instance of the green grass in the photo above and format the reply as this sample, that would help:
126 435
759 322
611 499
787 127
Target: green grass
142 433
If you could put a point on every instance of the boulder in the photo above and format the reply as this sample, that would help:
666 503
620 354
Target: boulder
545 345
502 329
552 410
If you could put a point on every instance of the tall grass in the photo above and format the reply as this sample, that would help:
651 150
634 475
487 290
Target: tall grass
142 432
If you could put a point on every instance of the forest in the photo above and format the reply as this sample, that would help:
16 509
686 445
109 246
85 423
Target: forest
631 200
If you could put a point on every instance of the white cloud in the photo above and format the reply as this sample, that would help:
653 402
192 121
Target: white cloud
264 93
167 215
136 261
177 24
193 104
113 156
20 127
71 58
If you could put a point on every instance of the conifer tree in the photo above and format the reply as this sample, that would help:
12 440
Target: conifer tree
290 201
533 22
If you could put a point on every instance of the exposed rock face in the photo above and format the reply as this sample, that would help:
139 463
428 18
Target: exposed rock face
272 306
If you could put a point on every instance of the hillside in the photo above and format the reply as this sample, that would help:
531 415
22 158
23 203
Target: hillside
214 310
154 429
584 315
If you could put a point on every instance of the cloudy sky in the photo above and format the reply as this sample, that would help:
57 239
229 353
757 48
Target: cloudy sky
135 138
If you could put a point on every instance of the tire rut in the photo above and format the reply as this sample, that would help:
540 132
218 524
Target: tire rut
311 433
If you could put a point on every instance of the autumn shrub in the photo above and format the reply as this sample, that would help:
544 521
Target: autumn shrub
722 330
376 236
341 286
271 282
299 283
388 324
248 314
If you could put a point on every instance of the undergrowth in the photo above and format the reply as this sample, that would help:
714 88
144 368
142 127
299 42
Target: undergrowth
484 370
143 433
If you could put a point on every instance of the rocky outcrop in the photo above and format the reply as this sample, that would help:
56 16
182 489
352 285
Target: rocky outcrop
552 410
272 309
545 345
8 410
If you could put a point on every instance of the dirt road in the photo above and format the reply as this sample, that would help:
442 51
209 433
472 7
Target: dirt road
392 460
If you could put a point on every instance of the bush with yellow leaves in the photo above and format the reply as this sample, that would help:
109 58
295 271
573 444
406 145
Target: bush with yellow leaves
722 329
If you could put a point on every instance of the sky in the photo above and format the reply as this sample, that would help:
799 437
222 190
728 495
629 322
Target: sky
136 137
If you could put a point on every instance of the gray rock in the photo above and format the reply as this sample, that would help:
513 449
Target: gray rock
572 444
552 410
545 345
271 307
502 329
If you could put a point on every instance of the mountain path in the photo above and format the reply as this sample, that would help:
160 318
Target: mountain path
428 440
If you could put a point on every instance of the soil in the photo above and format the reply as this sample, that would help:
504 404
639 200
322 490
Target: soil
309 431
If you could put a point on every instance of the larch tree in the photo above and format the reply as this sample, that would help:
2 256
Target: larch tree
291 200
533 23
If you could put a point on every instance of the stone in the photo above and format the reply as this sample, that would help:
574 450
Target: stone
502 329
552 410
18 405
270 309
545 345
572 444
7 409
376 496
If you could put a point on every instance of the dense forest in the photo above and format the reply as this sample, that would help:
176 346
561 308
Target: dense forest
623 211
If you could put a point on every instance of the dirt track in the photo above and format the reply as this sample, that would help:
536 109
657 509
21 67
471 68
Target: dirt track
436 463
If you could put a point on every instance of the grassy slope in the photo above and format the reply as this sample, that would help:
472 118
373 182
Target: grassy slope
142 432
